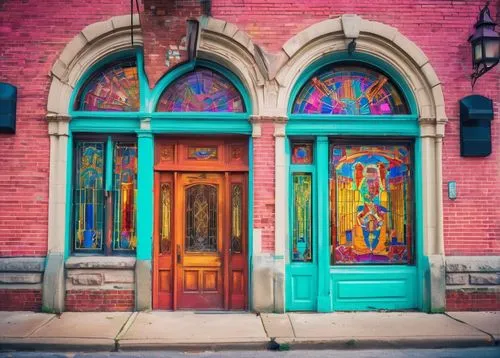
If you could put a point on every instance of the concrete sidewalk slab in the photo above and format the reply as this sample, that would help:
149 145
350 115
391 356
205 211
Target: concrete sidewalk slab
21 324
277 325
378 330
99 325
170 330
485 321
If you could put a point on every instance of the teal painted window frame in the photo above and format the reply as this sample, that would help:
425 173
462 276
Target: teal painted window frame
186 123
322 128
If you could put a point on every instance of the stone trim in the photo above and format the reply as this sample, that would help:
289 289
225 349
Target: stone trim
101 262
473 273
22 264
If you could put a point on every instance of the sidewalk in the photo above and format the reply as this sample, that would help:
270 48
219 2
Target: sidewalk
109 331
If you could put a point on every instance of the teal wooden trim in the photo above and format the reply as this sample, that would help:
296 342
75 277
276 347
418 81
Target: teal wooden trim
421 260
360 58
181 70
321 160
250 222
111 58
207 126
359 127
109 164
69 201
301 168
144 90
199 116
145 184
104 125
108 115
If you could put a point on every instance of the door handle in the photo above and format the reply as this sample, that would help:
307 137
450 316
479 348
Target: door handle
179 257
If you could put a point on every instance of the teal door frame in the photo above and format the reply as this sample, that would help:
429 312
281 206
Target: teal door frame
145 124
317 283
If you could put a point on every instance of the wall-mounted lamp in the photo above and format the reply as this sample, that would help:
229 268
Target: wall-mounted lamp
485 42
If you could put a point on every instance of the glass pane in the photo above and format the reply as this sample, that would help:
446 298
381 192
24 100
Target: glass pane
201 218
302 153
349 90
124 196
201 91
166 218
302 214
202 153
370 203
113 88
236 218
88 196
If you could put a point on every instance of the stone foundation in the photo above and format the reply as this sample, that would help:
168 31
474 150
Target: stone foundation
21 283
473 283
100 284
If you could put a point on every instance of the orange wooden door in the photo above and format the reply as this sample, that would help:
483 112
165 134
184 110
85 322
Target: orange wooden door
199 241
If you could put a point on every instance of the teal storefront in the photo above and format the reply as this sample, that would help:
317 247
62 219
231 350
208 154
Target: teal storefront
355 202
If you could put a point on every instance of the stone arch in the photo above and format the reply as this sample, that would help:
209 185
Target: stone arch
223 43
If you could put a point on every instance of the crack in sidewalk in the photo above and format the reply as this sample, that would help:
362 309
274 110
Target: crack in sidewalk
492 338
124 329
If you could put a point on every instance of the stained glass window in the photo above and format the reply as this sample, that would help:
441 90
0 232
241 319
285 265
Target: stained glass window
124 196
202 90
89 196
370 203
201 218
166 218
236 218
302 217
114 88
302 153
349 90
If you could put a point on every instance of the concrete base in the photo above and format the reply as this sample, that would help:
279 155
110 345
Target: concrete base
437 283
263 283
53 291
143 285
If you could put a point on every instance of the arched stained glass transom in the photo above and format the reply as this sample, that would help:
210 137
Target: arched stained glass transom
202 90
114 87
349 90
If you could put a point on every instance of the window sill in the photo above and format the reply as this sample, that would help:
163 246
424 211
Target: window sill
100 262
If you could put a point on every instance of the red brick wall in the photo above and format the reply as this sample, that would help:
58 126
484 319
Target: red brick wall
99 300
20 300
263 162
33 35
458 300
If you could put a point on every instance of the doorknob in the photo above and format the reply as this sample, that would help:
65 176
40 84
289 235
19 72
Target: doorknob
179 258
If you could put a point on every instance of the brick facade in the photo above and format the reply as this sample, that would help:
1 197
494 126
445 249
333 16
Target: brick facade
33 35
100 300
20 300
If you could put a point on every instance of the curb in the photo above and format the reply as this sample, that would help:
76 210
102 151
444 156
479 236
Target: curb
58 344
132 345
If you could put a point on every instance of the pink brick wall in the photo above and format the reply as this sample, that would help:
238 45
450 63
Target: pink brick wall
33 34
99 300
20 300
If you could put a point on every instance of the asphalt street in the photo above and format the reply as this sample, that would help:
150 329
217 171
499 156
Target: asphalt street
483 352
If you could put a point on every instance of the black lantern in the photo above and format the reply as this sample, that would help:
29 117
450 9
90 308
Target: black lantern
485 43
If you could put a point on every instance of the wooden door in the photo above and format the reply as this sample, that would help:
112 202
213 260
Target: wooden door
200 231
199 246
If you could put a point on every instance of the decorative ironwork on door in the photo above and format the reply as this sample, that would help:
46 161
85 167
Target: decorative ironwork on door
236 217
201 218
166 219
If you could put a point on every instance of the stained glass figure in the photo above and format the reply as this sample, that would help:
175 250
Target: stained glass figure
166 218
114 88
370 203
202 90
88 196
236 218
302 153
349 90
302 218
201 218
124 196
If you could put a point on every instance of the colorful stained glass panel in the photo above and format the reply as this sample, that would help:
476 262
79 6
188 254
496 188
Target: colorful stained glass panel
236 218
201 218
125 196
88 196
114 88
370 203
202 90
349 90
202 153
302 218
166 218
302 153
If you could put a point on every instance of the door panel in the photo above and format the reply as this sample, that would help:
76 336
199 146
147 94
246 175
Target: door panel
199 241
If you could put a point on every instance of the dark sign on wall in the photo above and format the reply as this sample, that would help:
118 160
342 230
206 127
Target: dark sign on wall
8 99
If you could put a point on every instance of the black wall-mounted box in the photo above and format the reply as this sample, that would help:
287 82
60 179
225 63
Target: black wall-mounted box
8 99
476 114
